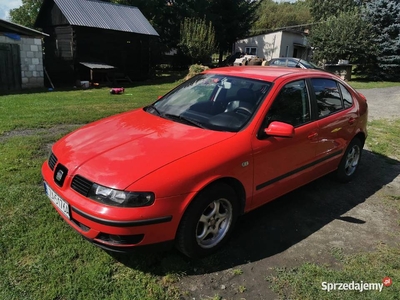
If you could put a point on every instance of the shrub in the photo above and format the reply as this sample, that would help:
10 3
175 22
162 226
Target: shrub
195 69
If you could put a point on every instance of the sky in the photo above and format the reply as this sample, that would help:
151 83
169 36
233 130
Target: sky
6 5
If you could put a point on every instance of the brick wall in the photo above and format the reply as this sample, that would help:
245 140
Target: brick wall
31 54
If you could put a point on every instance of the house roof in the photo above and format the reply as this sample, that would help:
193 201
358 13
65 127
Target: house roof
98 14
97 66
297 32
10 27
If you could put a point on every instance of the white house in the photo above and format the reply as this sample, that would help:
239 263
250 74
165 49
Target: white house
283 43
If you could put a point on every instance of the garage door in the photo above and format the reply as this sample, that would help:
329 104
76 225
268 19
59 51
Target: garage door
10 67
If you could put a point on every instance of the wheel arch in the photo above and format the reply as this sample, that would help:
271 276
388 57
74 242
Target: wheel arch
185 234
361 136
237 187
234 183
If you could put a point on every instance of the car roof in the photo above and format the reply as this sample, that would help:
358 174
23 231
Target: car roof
266 73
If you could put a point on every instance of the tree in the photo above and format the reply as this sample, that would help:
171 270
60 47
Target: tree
26 14
321 10
197 39
272 15
232 20
384 17
346 36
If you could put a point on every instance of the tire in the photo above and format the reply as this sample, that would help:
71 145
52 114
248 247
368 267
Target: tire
208 221
350 161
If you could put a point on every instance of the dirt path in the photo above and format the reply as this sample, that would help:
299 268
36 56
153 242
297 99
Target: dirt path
308 224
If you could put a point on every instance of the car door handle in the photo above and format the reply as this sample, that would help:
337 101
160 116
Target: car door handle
312 135
351 121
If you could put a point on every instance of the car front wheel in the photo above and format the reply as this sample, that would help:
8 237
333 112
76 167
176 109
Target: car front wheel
208 221
350 161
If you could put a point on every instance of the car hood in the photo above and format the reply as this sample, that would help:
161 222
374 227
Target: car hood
120 150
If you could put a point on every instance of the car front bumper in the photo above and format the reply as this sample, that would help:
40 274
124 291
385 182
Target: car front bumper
115 228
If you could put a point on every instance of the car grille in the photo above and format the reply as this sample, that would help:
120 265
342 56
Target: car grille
52 161
81 185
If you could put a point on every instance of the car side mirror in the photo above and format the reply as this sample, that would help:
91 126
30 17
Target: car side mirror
279 129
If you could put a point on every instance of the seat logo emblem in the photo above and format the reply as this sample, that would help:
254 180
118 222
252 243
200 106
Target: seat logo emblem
59 175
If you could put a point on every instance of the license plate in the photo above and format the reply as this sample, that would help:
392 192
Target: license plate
57 201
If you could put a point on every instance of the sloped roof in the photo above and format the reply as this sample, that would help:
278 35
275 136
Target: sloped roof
6 26
98 14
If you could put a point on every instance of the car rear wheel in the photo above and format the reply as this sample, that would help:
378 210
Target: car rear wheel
208 221
350 161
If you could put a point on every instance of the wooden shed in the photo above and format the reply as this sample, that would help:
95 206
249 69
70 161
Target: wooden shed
90 39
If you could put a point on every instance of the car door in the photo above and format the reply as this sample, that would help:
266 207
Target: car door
282 164
336 118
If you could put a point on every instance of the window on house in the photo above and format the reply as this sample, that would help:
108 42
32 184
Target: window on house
251 50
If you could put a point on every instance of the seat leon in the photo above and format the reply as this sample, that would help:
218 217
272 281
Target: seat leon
183 169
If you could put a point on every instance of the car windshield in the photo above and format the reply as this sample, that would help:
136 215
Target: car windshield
309 65
212 101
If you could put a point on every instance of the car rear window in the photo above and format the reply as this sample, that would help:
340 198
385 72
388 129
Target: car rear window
328 96
347 98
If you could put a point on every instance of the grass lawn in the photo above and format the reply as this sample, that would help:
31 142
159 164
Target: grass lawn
360 84
43 258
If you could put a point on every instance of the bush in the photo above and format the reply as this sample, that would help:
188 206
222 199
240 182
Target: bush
195 69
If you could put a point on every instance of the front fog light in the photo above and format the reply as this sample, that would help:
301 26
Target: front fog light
114 197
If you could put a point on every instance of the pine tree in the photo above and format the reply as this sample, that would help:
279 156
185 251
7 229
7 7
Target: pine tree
384 16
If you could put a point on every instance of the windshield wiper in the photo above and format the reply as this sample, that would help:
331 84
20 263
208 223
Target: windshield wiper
182 118
154 109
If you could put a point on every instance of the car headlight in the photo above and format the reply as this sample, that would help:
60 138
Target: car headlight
120 198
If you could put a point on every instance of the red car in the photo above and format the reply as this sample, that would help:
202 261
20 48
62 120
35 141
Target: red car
223 143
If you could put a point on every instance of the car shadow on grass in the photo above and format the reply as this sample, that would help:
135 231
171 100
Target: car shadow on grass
280 224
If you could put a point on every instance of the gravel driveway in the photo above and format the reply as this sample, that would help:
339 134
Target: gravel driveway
383 102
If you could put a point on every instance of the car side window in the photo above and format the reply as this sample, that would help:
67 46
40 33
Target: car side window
291 106
347 98
328 96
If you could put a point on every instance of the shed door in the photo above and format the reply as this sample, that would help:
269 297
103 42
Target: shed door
10 67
